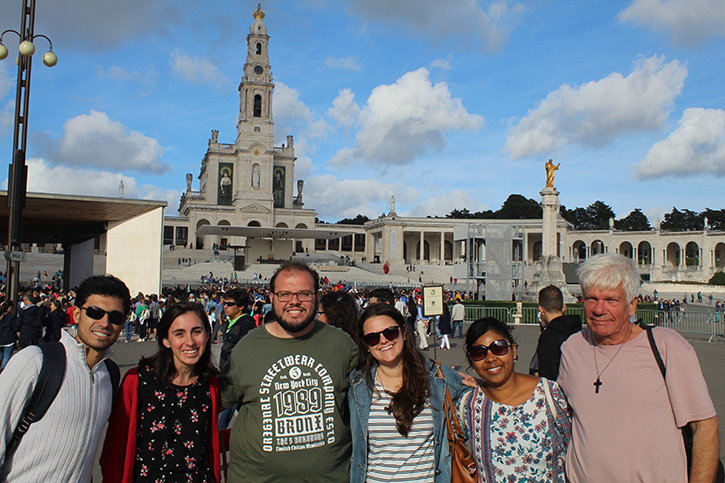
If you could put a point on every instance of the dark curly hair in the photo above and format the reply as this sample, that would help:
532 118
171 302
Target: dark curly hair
412 396
162 363
341 311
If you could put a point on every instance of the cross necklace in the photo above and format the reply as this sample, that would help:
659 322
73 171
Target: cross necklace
598 382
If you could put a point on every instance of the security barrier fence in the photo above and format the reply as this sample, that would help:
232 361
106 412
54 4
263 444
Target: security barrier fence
709 323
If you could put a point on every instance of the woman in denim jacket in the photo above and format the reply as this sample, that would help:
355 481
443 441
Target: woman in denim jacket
396 404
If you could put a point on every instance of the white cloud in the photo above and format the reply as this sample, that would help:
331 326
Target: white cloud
443 204
689 22
344 109
45 178
288 105
171 196
198 70
444 64
596 112
405 119
695 148
465 20
346 63
336 199
96 140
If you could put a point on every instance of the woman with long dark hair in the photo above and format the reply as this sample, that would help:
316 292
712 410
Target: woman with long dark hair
396 398
518 425
164 421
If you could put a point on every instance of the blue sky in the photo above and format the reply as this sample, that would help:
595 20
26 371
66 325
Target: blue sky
442 104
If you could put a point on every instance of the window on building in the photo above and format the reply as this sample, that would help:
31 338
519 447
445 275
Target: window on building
359 242
347 243
257 106
320 244
333 244
168 235
182 235
259 48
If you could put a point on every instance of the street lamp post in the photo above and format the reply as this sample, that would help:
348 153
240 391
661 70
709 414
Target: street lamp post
18 174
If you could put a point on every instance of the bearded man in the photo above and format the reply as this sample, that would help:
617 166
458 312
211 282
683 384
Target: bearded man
290 377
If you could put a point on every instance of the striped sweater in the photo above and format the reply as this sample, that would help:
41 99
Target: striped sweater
62 446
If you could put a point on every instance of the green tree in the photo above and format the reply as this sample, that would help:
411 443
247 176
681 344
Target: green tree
715 218
635 221
684 220
517 207
594 217
717 279
358 220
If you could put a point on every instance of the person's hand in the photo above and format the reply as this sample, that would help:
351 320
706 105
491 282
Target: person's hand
468 380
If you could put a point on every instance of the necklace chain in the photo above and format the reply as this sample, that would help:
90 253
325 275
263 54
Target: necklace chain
598 382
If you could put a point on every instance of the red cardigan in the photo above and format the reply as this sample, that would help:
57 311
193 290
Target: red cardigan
119 449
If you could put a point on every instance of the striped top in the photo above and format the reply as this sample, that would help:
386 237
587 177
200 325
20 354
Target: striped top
393 457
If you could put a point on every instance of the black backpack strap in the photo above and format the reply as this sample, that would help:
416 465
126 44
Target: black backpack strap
52 373
115 374
655 350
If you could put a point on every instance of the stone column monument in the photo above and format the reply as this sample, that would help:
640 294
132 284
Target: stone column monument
548 269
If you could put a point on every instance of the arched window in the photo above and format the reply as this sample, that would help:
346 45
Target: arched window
259 48
257 106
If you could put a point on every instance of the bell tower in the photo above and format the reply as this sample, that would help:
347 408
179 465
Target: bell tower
255 90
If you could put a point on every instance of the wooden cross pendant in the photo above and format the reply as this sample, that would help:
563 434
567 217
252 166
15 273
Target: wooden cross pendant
597 383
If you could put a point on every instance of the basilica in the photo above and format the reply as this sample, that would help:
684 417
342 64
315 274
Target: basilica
249 200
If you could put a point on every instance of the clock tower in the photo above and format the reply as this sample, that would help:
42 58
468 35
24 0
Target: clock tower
256 88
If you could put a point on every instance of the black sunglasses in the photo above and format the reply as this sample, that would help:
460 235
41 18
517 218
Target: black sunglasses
230 304
498 348
96 313
373 338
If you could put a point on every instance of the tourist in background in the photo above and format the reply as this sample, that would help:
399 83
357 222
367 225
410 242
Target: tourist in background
339 310
8 336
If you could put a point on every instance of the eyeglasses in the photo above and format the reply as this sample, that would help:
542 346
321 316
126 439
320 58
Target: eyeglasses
96 313
304 296
230 304
498 348
373 338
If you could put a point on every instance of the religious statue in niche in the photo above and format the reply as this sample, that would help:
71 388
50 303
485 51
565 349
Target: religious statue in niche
225 183
298 198
255 176
550 168
278 182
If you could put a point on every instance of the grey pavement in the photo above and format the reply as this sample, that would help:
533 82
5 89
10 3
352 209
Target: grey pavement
711 355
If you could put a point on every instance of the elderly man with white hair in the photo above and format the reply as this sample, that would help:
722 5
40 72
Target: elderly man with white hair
627 416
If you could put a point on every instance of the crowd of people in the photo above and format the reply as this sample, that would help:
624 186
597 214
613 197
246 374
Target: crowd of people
335 385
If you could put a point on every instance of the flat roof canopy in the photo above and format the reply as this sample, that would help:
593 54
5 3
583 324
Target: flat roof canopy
53 218
261 232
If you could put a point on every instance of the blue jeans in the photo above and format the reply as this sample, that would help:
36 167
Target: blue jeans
6 352
128 328
225 417
459 324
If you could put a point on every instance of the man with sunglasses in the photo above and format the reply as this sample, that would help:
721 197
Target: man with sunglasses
291 378
62 445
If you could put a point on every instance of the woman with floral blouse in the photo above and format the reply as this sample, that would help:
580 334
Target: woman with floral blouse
518 425
164 421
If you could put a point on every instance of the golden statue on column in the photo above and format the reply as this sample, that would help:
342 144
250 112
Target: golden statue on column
550 168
